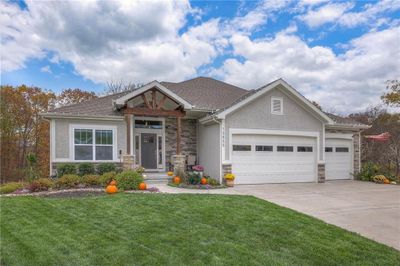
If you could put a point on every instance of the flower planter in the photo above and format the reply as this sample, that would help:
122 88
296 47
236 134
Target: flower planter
229 183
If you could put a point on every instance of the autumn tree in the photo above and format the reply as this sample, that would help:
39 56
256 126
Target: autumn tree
121 86
23 130
71 96
392 97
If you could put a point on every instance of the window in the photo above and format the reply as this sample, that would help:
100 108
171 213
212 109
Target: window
263 148
285 148
241 147
99 148
148 124
304 149
328 149
137 148
342 149
160 150
276 106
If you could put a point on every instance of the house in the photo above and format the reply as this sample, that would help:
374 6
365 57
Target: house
269 135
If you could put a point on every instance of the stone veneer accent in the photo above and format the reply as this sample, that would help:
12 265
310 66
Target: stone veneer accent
357 152
188 138
128 162
179 165
226 169
321 173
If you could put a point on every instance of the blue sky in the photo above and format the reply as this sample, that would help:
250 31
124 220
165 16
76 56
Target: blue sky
338 53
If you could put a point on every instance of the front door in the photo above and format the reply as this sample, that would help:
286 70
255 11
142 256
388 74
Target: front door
149 150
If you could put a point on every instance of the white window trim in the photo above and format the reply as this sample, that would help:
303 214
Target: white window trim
92 127
280 99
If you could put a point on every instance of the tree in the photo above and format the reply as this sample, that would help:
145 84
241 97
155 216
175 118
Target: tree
120 86
392 98
72 96
23 130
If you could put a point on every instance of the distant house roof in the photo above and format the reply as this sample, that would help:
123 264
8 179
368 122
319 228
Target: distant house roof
203 93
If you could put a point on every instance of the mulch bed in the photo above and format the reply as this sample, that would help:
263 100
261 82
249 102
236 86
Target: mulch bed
187 186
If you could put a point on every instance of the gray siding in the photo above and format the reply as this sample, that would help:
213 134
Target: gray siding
257 115
62 134
209 149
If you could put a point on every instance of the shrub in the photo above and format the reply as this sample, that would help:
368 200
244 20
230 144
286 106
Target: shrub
66 169
68 181
105 168
129 180
91 180
85 169
193 178
10 187
106 178
140 169
368 171
40 184
213 182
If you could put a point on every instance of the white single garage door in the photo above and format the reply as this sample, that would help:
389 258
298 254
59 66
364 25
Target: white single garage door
338 159
258 159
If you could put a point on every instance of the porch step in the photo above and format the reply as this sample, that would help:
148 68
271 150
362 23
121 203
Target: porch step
156 177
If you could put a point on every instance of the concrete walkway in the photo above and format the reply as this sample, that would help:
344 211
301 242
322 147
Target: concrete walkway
372 210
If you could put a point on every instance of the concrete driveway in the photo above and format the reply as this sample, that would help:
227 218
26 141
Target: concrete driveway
372 210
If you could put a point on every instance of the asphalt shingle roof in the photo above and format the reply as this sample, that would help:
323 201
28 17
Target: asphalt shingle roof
202 93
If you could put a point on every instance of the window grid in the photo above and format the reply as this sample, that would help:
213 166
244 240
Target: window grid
84 138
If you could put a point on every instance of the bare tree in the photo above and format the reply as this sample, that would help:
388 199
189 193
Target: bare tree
121 86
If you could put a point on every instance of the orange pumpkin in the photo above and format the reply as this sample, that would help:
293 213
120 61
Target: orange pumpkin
111 189
142 186
203 181
177 179
386 181
113 183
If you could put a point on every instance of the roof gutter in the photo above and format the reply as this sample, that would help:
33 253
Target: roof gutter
81 116
347 127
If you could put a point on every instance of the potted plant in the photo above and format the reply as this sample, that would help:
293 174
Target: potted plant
229 179
199 170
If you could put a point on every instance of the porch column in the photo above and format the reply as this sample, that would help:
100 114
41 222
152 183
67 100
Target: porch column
178 135
128 159
179 159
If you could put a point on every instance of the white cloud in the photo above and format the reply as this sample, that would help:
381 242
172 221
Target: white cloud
341 14
104 40
325 14
46 69
347 82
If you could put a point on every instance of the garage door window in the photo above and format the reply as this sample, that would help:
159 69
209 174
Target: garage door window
241 147
342 149
304 149
285 148
328 149
263 148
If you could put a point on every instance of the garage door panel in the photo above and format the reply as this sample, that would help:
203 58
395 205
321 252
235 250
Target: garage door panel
256 167
338 164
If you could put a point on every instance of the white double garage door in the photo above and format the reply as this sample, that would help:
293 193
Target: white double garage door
258 159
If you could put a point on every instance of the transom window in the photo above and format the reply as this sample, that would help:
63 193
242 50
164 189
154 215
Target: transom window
241 147
285 148
87 148
148 124
304 149
342 149
264 148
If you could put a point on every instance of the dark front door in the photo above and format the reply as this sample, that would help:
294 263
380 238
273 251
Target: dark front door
149 150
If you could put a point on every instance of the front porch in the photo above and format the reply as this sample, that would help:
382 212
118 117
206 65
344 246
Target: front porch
160 135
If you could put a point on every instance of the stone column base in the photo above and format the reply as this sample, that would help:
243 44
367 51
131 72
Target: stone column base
226 169
179 162
321 173
128 162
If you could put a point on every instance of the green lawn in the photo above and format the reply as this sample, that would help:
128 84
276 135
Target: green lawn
159 229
